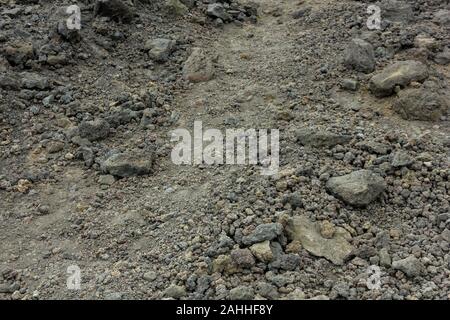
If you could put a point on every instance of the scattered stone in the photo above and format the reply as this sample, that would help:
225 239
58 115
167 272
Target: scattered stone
350 84
242 258
358 188
385 258
43 209
160 49
126 165
266 290
176 7
262 251
174 291
106 179
442 17
336 249
294 199
443 57
398 74
421 104
262 233
34 81
374 147
396 11
217 10
360 56
411 266
117 10
320 139
94 130
150 276
23 185
18 54
401 159
55 146
327 229
242 293
198 67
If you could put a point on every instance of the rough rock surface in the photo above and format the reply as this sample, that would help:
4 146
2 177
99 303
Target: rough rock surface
421 104
198 67
336 249
358 188
125 165
398 74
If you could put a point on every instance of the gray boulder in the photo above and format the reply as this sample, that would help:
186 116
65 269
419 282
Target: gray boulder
358 188
360 56
421 104
94 130
263 232
398 74
411 266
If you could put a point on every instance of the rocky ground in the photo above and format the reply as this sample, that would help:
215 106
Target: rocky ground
86 177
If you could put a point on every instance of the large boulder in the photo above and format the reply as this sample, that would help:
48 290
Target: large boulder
358 188
360 56
421 104
337 249
398 74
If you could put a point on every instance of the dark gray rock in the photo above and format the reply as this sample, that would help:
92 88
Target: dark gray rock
262 233
94 130
358 188
125 165
34 81
350 84
360 56
217 10
396 11
320 139
117 10
243 258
